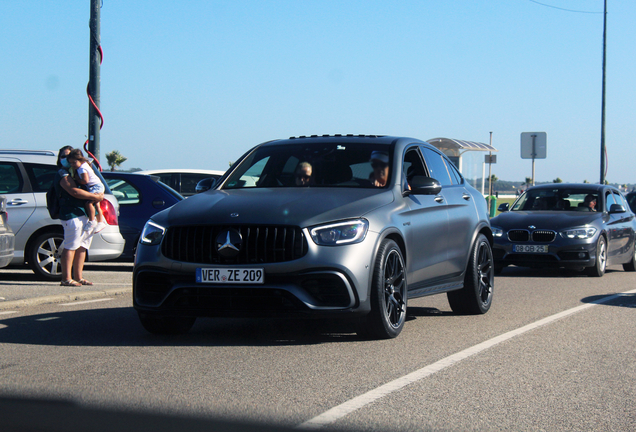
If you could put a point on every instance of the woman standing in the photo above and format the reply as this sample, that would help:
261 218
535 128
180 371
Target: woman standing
73 218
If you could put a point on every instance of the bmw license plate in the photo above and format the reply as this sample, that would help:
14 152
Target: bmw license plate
230 275
530 248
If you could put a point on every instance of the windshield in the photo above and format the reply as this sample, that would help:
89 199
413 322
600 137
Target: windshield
355 165
558 199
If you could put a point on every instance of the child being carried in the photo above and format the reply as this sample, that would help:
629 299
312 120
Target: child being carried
85 176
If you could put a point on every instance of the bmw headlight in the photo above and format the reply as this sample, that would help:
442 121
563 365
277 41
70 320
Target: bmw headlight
340 233
152 233
579 233
496 231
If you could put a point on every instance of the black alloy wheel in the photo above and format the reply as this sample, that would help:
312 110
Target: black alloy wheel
388 294
476 296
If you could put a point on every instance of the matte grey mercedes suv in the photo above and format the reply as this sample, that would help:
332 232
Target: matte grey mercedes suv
340 226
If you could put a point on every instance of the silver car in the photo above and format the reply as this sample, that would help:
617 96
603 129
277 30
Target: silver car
7 238
25 176
330 226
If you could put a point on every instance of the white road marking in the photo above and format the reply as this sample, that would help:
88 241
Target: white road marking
85 301
8 312
340 411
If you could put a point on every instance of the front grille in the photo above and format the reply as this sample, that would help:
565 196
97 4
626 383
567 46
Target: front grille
518 235
543 236
260 244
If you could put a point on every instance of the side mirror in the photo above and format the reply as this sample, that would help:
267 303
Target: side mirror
421 185
205 184
617 208
504 207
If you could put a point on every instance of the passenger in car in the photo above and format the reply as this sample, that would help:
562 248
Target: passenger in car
303 174
590 202
380 164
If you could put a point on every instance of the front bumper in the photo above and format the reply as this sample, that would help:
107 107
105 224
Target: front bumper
573 254
327 281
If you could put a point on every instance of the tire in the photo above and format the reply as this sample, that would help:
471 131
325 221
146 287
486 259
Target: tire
630 266
45 255
598 270
476 296
166 325
388 295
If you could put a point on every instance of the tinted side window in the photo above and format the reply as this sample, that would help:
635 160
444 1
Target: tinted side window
412 165
609 200
41 176
619 199
436 166
10 178
125 193
454 172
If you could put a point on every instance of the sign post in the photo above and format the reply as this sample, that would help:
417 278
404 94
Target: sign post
534 146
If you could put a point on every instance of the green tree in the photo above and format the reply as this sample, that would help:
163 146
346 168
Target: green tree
557 180
115 159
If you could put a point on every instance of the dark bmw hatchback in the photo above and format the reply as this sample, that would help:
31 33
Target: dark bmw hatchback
576 226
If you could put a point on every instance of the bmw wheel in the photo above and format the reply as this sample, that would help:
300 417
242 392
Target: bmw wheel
45 255
631 264
388 294
476 296
598 270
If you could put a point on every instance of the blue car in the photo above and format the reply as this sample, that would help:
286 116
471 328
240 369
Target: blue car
140 196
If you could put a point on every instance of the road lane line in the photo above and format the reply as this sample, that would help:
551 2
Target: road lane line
340 411
85 302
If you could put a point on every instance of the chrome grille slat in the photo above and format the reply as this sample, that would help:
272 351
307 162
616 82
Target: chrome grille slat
261 244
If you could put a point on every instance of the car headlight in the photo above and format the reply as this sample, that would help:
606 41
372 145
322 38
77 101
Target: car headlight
340 233
497 232
152 233
579 233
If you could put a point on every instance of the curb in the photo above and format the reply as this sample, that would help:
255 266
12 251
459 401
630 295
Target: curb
59 298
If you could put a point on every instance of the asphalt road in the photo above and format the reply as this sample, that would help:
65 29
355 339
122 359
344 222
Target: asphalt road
556 352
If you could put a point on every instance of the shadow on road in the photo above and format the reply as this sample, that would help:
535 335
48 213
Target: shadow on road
121 327
512 271
621 300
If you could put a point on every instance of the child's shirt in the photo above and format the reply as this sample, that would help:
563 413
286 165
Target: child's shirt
93 180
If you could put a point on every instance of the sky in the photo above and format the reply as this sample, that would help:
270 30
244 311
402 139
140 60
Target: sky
197 83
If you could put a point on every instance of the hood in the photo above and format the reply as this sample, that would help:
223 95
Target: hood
552 220
277 206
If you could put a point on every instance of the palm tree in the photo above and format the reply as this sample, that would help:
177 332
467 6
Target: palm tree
115 159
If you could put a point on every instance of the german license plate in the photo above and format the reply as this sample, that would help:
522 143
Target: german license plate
230 275
530 248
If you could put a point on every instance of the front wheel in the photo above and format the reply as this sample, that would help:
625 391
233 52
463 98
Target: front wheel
45 255
388 294
630 265
598 270
166 325
476 296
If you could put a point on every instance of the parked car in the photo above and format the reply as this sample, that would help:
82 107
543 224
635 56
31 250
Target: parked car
140 196
631 201
259 243
7 238
183 181
576 226
25 176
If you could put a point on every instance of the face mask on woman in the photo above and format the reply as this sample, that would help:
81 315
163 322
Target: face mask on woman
65 163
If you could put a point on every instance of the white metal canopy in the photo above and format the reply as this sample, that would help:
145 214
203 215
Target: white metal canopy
457 146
